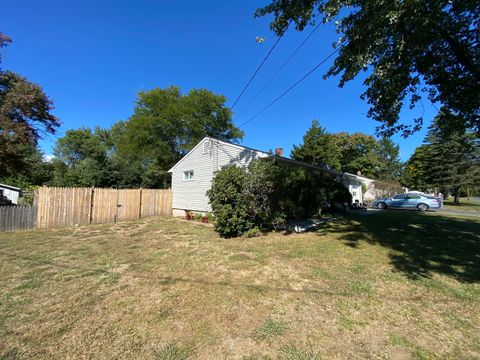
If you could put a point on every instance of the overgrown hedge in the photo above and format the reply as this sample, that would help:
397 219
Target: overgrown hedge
266 194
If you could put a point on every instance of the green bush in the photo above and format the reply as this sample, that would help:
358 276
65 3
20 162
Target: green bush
267 194
228 203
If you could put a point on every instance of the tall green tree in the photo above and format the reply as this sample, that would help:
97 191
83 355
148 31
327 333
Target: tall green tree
36 170
391 167
166 124
25 116
319 148
358 153
353 153
448 162
453 158
416 169
82 158
410 48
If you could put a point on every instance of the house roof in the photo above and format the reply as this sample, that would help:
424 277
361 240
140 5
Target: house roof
5 186
220 141
275 157
267 156
358 176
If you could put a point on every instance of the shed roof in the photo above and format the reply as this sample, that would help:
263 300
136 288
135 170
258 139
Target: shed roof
5 186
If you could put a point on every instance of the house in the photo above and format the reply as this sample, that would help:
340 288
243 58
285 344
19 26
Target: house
193 174
9 193
359 186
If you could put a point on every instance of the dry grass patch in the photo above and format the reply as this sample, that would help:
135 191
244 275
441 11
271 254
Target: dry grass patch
363 287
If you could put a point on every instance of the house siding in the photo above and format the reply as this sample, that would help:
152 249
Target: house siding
205 160
354 184
10 192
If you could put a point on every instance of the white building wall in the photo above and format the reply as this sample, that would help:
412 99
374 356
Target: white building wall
10 194
209 156
354 184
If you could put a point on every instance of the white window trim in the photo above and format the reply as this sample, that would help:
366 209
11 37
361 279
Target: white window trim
185 178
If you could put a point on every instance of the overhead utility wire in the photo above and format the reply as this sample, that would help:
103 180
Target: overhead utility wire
279 70
256 71
291 87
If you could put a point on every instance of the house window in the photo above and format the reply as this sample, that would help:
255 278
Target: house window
354 193
188 175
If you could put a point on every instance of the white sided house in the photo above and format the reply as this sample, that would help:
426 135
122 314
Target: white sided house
192 175
356 185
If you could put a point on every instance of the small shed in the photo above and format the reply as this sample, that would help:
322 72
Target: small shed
9 192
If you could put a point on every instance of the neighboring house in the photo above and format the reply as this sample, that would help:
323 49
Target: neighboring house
354 184
192 175
11 193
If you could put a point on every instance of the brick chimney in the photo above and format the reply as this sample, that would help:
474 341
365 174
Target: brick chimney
279 151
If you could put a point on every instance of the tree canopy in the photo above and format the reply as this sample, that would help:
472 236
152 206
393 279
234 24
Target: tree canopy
411 48
138 152
351 153
319 147
25 116
166 124
448 161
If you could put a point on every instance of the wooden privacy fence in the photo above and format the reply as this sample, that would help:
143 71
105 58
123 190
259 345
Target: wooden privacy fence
59 207
14 218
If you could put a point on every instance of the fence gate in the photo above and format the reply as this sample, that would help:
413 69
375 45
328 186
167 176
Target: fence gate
128 204
104 206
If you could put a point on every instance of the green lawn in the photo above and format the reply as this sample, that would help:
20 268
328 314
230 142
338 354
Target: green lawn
390 285
465 204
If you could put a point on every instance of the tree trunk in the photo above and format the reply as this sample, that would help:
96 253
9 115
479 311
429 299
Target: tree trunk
456 199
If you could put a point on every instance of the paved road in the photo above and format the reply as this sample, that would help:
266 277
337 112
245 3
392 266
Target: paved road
440 211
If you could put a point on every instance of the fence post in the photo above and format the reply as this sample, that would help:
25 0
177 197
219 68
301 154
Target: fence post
140 207
90 211
115 217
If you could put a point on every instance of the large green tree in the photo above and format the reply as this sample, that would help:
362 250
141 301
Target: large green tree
36 170
82 158
391 167
448 162
166 124
410 48
353 153
416 172
25 116
319 148
359 153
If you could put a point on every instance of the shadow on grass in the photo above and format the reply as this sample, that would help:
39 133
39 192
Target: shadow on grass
421 244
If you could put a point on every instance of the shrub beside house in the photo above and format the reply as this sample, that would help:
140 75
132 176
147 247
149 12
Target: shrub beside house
266 194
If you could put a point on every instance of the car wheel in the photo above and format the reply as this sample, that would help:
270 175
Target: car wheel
381 205
422 207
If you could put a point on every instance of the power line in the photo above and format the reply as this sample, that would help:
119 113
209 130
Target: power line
279 69
291 87
302 78
256 71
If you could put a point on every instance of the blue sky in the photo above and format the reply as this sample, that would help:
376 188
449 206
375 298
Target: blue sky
92 57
